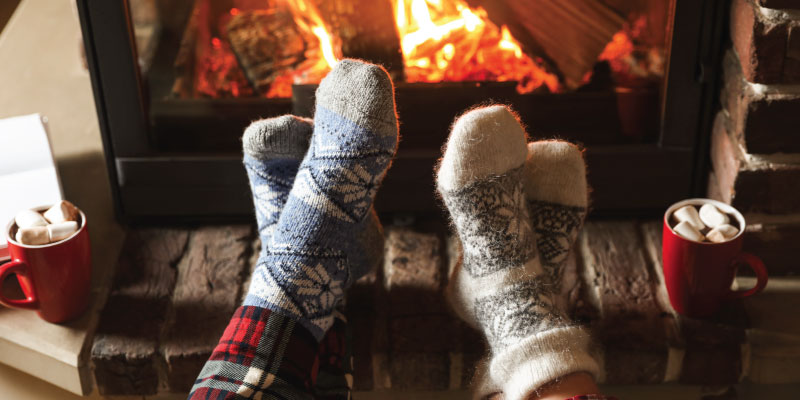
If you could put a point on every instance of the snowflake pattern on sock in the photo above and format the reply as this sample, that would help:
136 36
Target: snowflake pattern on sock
492 221
314 244
556 227
518 311
270 182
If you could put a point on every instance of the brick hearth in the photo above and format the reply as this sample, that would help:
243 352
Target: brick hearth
176 288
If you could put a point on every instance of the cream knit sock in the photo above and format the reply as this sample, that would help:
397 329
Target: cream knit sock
501 286
556 188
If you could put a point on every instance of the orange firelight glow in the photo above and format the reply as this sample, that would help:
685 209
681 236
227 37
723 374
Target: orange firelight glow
446 40
441 40
320 57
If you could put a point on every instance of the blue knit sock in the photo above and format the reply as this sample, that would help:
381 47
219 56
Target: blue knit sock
316 241
273 149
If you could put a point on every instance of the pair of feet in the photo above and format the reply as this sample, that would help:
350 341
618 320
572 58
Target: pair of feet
517 208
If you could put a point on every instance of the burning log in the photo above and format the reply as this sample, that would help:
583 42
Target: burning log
269 45
366 29
204 64
568 35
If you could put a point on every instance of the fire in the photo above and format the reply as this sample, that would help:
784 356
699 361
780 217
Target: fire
449 41
441 40
307 17
319 59
629 63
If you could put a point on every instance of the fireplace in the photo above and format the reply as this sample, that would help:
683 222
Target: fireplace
176 82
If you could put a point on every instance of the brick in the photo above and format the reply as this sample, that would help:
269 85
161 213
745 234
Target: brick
714 347
207 290
413 272
764 119
420 371
366 306
778 4
774 242
761 39
125 349
632 326
773 358
753 183
426 333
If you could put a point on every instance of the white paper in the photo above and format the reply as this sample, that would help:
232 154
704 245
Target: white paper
28 176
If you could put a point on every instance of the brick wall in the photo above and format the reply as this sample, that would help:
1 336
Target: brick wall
755 142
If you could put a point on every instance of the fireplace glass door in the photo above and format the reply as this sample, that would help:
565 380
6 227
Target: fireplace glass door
177 81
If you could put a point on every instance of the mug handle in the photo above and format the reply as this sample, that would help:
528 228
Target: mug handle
758 267
20 268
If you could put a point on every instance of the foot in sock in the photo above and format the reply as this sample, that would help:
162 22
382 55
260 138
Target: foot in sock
315 247
273 149
503 286
556 189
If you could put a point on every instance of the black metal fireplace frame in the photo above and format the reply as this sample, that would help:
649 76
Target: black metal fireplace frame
154 181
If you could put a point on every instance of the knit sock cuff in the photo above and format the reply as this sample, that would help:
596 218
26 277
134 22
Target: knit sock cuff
539 359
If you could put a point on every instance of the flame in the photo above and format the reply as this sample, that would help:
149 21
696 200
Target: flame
440 40
629 60
320 57
449 41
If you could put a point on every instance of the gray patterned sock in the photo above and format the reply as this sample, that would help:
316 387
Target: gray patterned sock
501 286
273 149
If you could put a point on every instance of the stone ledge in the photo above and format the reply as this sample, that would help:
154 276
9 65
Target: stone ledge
767 42
752 183
405 337
763 118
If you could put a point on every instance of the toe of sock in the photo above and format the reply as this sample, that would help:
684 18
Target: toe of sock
362 93
556 172
286 136
487 141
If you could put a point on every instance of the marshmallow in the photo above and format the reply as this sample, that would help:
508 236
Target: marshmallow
29 219
712 216
685 214
33 236
722 233
685 230
62 211
61 231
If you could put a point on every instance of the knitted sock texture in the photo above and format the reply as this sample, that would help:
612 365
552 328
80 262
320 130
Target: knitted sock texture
273 149
501 285
556 190
315 245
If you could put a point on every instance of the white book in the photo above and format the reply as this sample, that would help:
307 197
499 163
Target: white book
28 176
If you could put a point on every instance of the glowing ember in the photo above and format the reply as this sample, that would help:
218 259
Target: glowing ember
449 41
629 63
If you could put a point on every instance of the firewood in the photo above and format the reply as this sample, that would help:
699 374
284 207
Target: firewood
568 35
204 64
268 43
366 29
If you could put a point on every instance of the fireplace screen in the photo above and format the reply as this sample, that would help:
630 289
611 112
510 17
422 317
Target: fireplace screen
625 78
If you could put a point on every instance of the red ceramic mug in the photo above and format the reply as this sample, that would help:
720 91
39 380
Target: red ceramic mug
55 278
699 275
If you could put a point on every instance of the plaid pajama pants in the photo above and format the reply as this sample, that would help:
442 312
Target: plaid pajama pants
265 355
